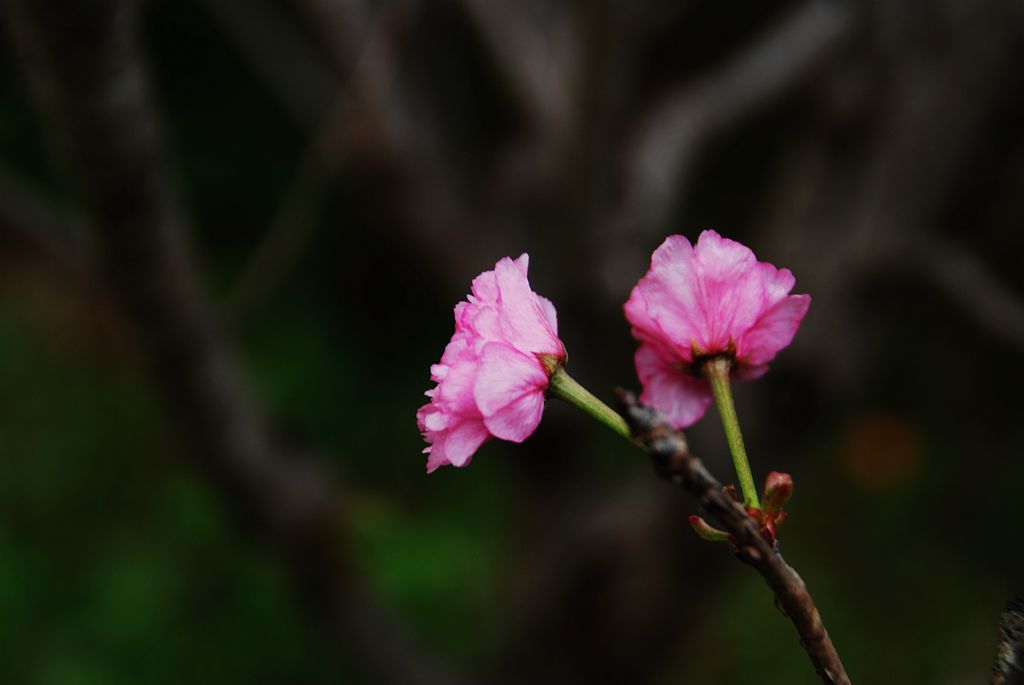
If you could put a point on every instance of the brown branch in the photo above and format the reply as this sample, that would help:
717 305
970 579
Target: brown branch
672 460
1008 666
86 69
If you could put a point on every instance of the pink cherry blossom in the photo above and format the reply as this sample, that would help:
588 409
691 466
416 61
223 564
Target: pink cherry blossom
494 373
703 301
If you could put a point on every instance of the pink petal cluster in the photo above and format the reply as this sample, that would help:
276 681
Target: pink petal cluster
703 301
492 376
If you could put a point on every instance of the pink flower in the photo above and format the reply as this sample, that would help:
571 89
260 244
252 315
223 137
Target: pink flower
711 300
493 374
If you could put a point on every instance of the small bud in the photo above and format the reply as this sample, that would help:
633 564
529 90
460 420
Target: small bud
778 488
706 531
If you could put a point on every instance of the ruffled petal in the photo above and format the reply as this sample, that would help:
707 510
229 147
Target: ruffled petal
456 351
455 391
681 397
430 419
732 289
485 289
523 323
666 302
509 391
457 445
518 419
483 325
777 283
773 331
548 310
647 330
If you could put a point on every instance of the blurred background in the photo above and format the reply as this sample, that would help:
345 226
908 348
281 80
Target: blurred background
231 237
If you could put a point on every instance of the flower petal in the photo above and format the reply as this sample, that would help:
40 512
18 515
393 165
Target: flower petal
485 289
518 419
524 324
454 392
745 372
457 445
548 310
665 303
509 391
732 289
777 283
773 331
430 419
682 398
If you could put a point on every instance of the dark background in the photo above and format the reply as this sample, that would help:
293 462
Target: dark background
343 168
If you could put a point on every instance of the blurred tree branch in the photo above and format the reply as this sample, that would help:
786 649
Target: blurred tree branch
678 127
671 137
968 282
535 45
267 41
294 224
875 187
86 70
28 234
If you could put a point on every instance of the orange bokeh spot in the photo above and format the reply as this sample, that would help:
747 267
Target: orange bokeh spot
881 451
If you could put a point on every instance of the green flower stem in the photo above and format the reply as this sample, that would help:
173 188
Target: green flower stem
717 372
564 386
